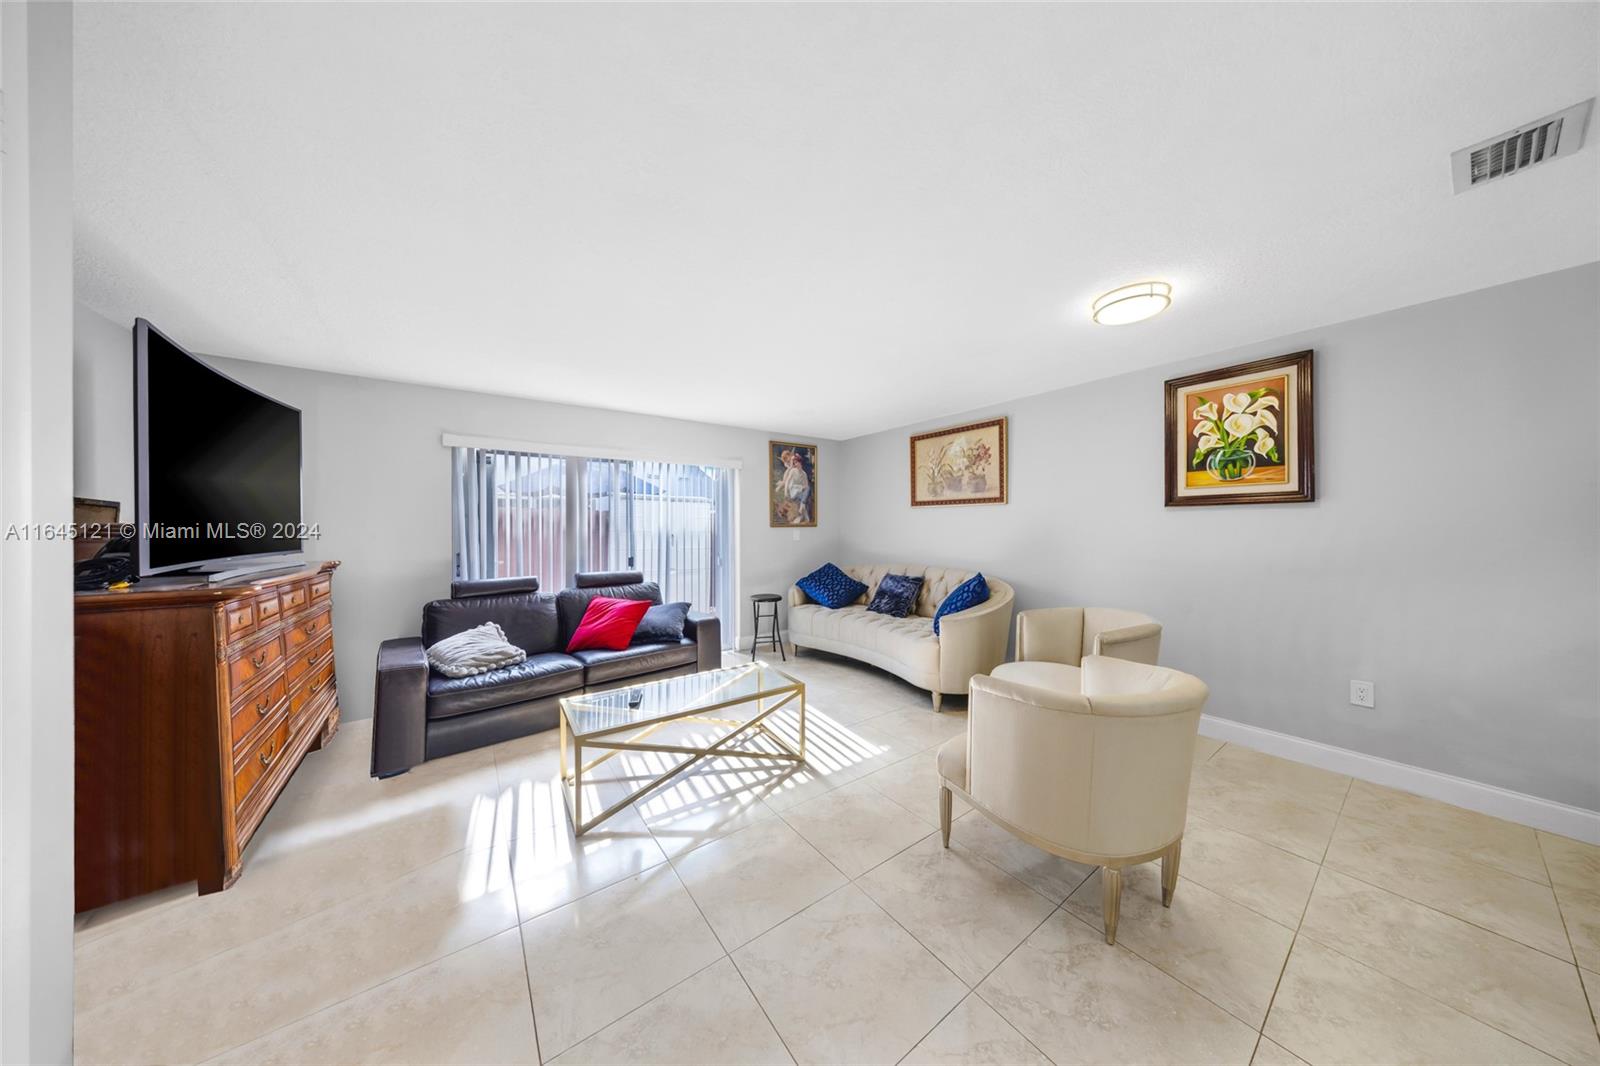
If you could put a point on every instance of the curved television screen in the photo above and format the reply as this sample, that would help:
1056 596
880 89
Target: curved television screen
218 464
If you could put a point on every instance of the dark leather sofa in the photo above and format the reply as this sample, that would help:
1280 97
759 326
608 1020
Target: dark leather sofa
419 714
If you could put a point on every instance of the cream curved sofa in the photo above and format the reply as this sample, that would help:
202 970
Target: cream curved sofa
969 642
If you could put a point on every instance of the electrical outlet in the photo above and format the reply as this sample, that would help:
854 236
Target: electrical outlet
1363 694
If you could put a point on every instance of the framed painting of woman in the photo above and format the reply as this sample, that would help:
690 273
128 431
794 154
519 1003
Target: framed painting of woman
791 484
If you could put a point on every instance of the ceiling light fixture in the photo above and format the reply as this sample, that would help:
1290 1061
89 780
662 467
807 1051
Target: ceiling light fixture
1132 303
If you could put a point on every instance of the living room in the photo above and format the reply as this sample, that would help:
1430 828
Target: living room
800 533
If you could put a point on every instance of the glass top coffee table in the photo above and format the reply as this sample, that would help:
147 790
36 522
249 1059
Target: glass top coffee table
606 721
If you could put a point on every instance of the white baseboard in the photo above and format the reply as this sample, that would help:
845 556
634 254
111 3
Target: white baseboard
1552 817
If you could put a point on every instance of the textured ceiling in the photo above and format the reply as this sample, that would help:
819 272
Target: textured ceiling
821 219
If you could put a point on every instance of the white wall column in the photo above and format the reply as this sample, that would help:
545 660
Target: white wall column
36 768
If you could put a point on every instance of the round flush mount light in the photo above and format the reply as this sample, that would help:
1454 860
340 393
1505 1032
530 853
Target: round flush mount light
1132 303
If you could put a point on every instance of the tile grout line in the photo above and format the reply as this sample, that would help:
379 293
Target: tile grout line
1364 878
682 980
1163 970
275 931
360 992
1402 983
972 991
1272 1000
1461 858
1430 996
1594 1019
516 903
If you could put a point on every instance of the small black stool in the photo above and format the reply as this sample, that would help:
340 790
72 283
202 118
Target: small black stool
774 638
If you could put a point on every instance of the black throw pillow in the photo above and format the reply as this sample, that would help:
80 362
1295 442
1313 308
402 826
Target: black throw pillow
661 624
896 594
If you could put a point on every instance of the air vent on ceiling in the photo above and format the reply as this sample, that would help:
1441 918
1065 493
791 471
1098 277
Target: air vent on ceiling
1516 150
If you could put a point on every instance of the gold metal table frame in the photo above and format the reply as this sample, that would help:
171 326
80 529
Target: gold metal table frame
696 711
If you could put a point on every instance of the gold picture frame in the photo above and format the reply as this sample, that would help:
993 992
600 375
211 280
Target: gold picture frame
959 465
791 485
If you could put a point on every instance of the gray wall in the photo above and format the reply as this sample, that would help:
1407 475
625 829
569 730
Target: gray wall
1451 555
36 575
377 480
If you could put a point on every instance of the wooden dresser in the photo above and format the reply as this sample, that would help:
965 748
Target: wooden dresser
195 704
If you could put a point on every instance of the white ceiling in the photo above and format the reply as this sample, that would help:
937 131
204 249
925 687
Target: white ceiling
828 219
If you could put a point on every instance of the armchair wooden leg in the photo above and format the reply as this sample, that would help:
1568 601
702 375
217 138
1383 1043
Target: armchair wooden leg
946 800
1169 871
938 700
1111 900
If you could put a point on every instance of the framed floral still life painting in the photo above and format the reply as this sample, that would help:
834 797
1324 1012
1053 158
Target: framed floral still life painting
791 484
1242 434
962 464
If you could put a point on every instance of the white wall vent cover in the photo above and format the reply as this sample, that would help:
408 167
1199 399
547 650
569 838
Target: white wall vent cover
1516 150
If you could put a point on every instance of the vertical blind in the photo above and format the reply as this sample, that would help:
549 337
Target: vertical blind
518 514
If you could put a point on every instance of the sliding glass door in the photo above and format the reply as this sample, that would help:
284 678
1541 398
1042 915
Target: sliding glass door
550 516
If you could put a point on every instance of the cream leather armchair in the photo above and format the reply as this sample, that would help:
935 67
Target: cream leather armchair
1097 773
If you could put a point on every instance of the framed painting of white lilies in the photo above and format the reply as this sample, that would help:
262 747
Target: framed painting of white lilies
1242 434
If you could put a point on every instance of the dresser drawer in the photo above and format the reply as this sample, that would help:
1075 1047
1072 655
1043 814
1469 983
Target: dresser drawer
254 660
308 658
259 760
320 587
312 685
250 710
266 610
241 618
294 598
308 629
311 700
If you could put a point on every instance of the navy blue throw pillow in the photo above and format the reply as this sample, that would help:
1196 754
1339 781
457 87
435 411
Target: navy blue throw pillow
661 624
896 593
831 587
971 592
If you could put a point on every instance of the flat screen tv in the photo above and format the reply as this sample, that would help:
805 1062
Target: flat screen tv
217 466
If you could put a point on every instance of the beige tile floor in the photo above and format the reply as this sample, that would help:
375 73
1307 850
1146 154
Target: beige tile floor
748 914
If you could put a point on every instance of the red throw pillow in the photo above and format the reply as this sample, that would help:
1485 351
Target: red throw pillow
608 624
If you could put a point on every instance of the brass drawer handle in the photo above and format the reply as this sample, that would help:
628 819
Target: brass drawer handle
318 686
263 705
311 660
268 755
309 627
258 661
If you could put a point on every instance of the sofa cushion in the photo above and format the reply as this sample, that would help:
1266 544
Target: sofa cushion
608 623
536 677
602 665
896 595
571 603
1052 677
969 593
831 587
528 619
661 624
908 640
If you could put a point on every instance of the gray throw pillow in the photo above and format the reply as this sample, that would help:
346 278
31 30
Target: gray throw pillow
662 624
474 651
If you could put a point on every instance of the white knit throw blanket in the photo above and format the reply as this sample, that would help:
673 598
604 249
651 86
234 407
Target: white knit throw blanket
474 651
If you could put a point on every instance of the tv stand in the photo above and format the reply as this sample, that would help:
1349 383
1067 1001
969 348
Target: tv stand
195 704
